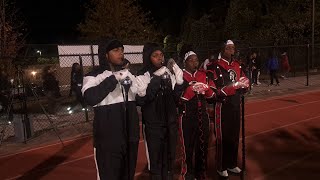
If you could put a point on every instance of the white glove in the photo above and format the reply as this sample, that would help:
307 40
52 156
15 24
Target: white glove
161 71
170 64
142 84
200 88
121 75
245 82
178 73
242 83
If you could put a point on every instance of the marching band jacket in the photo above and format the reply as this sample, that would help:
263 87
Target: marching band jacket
224 74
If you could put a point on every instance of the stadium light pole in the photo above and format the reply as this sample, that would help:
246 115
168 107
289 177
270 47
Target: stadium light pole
313 23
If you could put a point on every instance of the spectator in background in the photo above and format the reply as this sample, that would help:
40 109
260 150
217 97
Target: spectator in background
5 87
273 67
76 85
51 88
255 68
285 66
248 68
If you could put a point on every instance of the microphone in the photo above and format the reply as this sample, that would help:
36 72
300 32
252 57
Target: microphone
165 76
126 83
170 64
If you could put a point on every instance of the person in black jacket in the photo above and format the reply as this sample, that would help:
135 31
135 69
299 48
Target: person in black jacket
51 88
115 124
159 112
255 68
76 85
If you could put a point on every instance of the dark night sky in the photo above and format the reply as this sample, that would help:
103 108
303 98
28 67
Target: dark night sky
55 21
51 21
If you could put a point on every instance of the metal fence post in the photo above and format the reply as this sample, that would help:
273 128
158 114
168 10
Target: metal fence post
92 55
307 64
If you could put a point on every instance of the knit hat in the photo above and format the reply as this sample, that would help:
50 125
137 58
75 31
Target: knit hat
106 45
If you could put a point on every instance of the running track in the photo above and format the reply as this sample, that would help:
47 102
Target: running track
282 142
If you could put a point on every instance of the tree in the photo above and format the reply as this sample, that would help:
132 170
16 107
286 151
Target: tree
123 19
12 33
281 22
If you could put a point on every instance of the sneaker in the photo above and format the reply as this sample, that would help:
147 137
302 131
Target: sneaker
258 83
235 170
223 173
278 84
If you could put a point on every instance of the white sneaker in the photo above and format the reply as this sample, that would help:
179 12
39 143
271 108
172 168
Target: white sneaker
223 173
235 170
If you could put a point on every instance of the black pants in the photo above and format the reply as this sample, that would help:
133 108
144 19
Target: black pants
227 129
114 165
195 138
115 152
273 75
255 76
161 141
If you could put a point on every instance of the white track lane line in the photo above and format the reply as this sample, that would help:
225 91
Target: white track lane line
283 96
287 107
49 145
281 168
49 167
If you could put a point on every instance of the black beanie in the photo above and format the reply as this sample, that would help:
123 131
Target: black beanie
106 45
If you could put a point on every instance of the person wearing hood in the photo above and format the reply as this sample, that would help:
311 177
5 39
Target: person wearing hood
231 82
159 113
195 93
76 85
115 124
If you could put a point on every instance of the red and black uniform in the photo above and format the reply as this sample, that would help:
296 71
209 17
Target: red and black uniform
194 124
227 111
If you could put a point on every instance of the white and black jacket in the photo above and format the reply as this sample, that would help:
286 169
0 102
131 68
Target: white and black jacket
102 91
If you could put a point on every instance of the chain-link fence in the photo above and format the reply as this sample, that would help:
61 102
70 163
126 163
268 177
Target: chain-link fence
26 104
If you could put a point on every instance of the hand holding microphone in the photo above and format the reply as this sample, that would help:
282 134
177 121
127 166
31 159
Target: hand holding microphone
170 65
121 75
125 81
175 69
160 71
